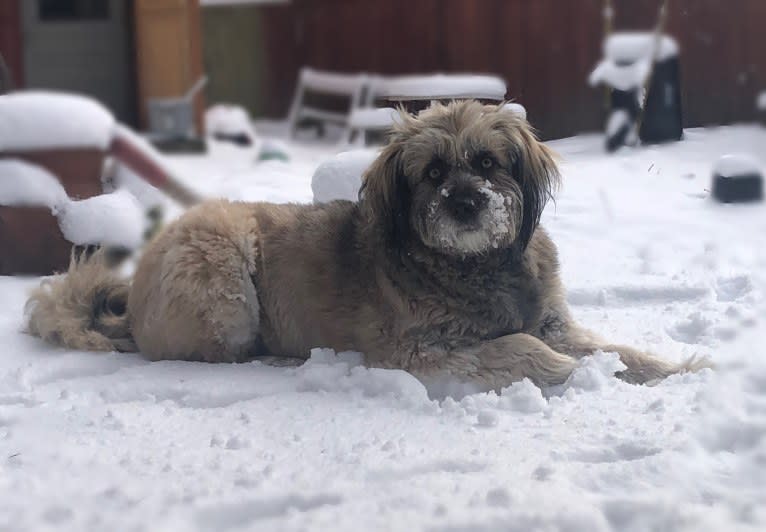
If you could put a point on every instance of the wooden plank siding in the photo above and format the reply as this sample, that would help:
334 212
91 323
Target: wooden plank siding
544 49
11 39
168 51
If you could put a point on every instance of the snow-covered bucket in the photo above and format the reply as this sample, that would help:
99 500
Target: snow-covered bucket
174 117
737 178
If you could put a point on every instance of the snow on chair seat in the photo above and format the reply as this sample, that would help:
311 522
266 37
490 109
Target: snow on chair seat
369 120
315 82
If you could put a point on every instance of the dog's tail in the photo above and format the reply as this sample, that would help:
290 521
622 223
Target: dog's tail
85 309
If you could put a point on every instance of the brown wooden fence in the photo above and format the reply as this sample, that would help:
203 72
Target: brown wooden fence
10 39
544 49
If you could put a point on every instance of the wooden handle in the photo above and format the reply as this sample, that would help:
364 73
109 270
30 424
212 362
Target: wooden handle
135 158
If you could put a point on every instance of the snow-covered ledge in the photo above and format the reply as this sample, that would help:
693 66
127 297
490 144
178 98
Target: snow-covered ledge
115 219
35 120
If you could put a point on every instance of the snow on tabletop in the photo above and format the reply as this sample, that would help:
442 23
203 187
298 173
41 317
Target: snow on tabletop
38 120
646 260
442 86
332 82
341 176
737 164
632 46
228 120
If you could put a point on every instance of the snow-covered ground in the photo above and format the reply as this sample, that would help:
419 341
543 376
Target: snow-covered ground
112 442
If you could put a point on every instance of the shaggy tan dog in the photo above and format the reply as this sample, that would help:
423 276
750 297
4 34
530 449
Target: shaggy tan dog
440 268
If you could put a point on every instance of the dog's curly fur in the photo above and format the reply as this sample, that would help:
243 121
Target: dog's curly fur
440 268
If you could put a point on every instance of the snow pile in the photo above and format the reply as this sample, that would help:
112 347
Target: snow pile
517 109
341 176
230 121
113 219
594 373
39 120
442 86
626 47
25 184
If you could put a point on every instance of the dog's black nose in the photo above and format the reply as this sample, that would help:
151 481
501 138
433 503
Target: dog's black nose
465 203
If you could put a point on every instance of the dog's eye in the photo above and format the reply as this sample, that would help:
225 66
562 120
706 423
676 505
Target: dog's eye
434 173
487 163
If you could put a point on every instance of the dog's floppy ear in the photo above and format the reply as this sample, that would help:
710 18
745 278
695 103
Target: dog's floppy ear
384 195
534 167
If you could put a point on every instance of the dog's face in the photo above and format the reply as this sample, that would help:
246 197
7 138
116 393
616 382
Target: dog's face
463 178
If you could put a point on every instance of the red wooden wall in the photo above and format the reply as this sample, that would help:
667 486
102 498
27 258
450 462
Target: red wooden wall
544 49
10 38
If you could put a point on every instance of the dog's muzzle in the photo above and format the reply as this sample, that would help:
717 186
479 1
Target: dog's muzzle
464 202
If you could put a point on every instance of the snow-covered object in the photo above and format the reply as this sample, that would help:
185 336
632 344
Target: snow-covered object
372 118
628 58
341 176
25 184
737 164
737 178
762 101
39 120
229 120
624 47
115 219
442 86
622 77
517 109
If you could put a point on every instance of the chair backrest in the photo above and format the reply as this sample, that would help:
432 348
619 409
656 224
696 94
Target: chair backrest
353 86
